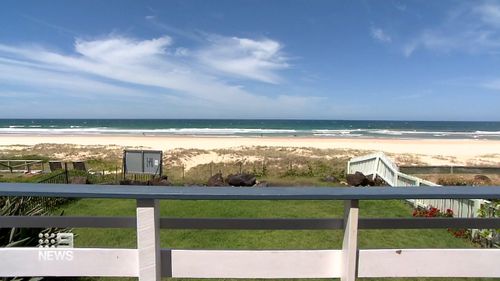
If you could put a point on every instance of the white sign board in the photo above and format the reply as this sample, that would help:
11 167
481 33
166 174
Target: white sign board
142 162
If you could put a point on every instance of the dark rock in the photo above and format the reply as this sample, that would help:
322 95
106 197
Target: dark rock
330 179
79 180
482 180
357 179
216 180
261 184
242 180
380 182
162 181
370 181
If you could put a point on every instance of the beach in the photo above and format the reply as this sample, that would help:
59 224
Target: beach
427 151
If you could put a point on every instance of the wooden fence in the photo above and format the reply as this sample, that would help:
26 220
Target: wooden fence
449 170
21 166
379 165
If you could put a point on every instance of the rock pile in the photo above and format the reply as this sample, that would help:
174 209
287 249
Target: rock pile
359 179
243 179
161 181
216 180
482 180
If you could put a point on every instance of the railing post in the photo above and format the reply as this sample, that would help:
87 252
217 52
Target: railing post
350 243
375 172
148 239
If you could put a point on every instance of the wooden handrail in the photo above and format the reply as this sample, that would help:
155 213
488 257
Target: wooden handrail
247 193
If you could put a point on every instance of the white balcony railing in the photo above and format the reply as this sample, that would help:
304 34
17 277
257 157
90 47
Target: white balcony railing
149 262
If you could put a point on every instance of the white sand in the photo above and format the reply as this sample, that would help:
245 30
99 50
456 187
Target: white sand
434 152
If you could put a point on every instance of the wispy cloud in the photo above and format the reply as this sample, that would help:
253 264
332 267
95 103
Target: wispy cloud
58 28
399 6
473 27
492 84
204 78
380 35
489 13
173 30
243 57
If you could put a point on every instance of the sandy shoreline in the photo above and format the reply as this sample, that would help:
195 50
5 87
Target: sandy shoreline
431 151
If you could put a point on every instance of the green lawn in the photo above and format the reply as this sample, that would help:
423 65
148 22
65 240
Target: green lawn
237 239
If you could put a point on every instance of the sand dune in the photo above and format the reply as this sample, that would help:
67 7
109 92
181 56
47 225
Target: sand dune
486 152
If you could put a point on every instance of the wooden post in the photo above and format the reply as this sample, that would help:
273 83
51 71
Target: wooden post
124 165
377 163
148 239
66 172
350 243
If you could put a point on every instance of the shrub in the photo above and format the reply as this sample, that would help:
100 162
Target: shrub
433 212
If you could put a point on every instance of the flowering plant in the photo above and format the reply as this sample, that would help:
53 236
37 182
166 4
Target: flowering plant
433 212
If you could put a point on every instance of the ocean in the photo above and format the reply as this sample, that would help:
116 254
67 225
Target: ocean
256 128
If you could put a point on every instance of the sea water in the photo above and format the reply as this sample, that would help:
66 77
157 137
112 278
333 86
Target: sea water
256 128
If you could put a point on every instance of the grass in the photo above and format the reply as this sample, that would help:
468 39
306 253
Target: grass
262 239
17 177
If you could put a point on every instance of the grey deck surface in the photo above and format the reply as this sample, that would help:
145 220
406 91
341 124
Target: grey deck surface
248 193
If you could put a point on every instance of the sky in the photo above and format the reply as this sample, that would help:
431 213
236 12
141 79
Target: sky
377 60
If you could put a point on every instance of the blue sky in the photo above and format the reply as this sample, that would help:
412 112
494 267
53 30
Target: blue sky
401 60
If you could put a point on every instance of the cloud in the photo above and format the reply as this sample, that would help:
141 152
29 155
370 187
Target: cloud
122 50
489 14
199 81
380 35
400 6
246 58
492 85
58 28
469 28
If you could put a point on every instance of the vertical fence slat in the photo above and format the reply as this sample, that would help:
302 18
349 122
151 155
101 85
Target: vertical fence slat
350 243
148 239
